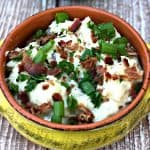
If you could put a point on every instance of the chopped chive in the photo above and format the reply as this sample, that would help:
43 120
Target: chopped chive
13 88
65 84
42 52
96 99
71 103
22 77
58 108
56 119
61 17
87 87
66 67
87 53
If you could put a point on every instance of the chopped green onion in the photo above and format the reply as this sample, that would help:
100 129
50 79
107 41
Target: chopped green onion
103 31
96 99
58 108
18 57
113 49
65 84
87 87
39 78
66 67
22 77
42 52
61 17
87 53
39 33
120 40
31 84
56 119
72 103
106 30
13 88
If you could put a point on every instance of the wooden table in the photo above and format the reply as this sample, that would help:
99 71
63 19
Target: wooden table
136 12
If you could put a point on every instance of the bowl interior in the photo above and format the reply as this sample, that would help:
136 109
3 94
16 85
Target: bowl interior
41 20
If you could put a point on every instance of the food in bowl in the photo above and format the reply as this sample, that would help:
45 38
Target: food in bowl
75 71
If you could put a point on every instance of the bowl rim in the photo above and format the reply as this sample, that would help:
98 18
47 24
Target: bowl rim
94 125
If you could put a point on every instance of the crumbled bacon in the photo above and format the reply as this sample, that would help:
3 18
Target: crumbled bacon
63 54
85 115
12 54
45 86
93 37
115 77
89 63
21 68
23 96
108 60
76 24
32 68
71 59
57 97
108 75
53 63
132 74
55 71
44 39
100 69
126 63
37 110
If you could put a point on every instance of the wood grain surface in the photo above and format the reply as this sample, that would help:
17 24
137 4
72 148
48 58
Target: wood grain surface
136 12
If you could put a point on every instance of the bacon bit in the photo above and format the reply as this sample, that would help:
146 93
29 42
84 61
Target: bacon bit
73 47
44 39
63 54
90 63
12 54
85 115
108 60
44 108
76 24
32 68
45 86
55 71
132 74
53 63
57 97
37 110
21 68
100 69
62 44
108 75
23 96
126 63
71 59
93 37
115 77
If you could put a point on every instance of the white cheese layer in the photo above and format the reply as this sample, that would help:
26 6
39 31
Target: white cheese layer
39 96
84 34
